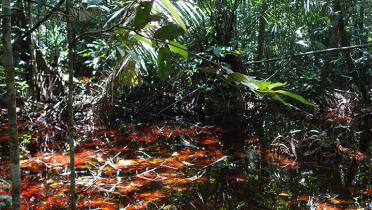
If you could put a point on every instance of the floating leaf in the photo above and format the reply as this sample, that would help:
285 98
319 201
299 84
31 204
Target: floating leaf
325 206
340 202
125 162
303 198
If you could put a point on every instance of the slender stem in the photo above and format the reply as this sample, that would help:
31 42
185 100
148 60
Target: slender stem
11 98
367 45
70 121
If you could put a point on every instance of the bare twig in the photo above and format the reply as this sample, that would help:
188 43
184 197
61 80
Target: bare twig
311 53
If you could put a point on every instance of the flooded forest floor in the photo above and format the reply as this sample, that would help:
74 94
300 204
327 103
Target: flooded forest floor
173 164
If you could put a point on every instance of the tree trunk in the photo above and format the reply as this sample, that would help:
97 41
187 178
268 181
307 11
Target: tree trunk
332 43
261 33
70 123
32 58
11 98
360 81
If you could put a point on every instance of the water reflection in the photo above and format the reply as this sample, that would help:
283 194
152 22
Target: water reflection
258 182
260 175
260 163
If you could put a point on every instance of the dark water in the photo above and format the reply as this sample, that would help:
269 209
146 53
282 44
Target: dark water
274 162
255 182
263 162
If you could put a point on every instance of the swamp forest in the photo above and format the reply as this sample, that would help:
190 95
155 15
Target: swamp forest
185 104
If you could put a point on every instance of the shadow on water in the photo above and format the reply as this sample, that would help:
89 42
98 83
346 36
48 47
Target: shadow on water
264 172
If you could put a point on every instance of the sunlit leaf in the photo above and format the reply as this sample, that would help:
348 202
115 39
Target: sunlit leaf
275 85
178 48
175 13
262 85
142 39
152 196
115 15
209 141
129 75
187 163
125 162
174 154
326 206
296 97
340 201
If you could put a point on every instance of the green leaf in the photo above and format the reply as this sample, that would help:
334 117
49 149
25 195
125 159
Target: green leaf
178 48
142 14
281 100
275 85
175 13
142 39
164 63
296 97
129 75
171 31
243 79
262 85
238 77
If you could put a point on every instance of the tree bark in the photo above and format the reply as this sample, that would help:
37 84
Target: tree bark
261 33
11 98
70 123
328 57
360 81
32 58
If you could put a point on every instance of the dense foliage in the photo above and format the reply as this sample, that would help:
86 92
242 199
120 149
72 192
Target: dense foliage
294 74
